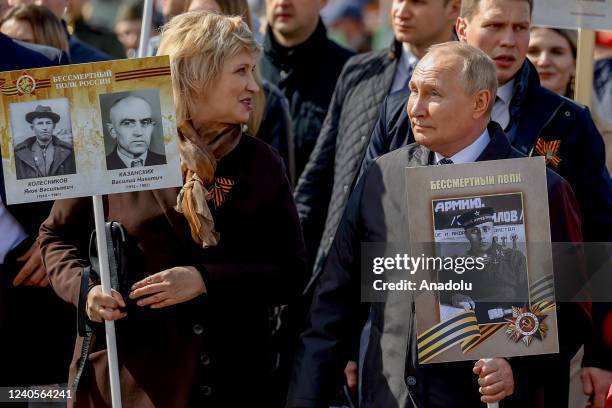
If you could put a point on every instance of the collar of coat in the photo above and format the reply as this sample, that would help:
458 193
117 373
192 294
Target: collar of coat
532 107
300 54
395 49
498 147
61 153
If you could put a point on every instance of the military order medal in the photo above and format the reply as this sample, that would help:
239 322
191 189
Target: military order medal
526 324
25 85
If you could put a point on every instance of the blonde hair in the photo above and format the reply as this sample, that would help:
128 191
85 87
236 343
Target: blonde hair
199 44
241 8
46 27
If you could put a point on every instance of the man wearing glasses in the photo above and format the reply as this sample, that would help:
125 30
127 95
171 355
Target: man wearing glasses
131 126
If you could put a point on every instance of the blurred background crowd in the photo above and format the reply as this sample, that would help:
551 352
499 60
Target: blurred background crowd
110 29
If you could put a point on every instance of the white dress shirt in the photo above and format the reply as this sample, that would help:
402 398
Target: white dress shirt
405 66
127 160
501 108
470 153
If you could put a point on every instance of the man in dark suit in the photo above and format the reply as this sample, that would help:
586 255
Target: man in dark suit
37 327
131 126
453 89
537 122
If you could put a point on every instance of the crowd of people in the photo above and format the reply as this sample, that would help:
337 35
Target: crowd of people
242 286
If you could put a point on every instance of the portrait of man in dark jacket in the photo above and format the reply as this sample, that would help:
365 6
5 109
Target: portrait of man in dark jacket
500 283
44 154
131 124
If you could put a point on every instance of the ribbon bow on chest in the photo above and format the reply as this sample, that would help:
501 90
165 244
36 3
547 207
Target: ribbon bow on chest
549 151
200 151
220 190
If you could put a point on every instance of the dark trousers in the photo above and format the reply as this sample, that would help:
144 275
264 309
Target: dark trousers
37 330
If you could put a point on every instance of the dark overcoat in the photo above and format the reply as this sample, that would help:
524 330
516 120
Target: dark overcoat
324 186
215 349
377 213
36 327
63 159
306 74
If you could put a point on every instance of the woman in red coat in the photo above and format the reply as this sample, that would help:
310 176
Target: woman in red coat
211 257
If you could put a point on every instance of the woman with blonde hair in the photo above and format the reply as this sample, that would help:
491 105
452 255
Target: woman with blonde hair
35 24
209 260
271 118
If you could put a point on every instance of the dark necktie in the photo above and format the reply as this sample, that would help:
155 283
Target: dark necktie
137 163
445 161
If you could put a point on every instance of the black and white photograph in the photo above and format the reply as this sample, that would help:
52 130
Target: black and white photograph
42 138
133 133
491 229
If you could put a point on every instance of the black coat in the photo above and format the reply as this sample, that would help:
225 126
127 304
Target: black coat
26 167
80 52
276 127
377 213
535 113
36 327
214 349
324 187
20 55
113 161
307 75
602 82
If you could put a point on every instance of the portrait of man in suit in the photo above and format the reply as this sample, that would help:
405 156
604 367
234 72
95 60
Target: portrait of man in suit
131 124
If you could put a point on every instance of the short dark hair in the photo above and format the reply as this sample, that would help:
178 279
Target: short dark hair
470 7
133 11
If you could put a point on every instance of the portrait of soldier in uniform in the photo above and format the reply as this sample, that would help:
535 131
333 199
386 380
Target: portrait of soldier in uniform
501 283
43 154
131 124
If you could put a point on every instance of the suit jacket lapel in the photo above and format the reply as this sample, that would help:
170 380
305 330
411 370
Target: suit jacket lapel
498 147
421 156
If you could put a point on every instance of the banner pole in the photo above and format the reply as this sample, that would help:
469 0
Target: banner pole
584 67
145 31
111 341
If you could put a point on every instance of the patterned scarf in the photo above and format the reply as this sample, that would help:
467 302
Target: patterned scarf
200 151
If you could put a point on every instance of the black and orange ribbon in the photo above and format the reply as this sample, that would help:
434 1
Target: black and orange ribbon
220 189
549 151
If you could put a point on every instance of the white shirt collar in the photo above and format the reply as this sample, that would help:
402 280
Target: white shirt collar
504 92
403 71
469 153
127 160
408 58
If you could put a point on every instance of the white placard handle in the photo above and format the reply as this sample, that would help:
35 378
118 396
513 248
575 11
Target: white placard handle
111 342
491 404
